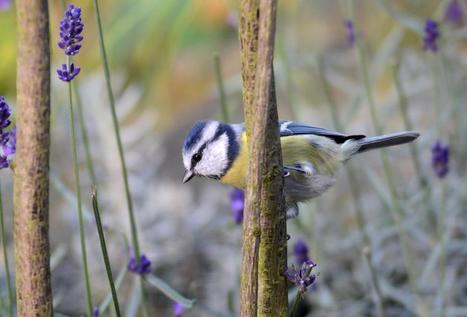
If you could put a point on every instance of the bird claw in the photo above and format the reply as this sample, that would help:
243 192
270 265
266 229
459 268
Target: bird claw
292 211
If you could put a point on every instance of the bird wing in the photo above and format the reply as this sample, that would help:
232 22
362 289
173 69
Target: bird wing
288 128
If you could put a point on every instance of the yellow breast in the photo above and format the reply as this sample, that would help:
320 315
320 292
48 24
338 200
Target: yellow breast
236 175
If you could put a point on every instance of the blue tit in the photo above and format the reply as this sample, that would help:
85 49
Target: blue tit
311 156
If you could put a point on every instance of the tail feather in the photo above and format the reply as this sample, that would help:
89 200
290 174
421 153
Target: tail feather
376 142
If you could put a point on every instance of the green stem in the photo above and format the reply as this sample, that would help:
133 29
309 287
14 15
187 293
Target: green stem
134 231
409 126
358 209
11 298
374 281
105 255
220 86
395 207
442 234
296 301
422 179
78 199
84 135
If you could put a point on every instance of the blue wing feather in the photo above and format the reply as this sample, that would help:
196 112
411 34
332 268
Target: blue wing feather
288 128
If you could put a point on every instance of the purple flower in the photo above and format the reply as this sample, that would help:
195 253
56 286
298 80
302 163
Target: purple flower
440 159
454 12
3 162
431 36
232 20
5 4
71 27
144 266
7 138
300 250
8 142
303 278
237 203
66 74
178 310
5 112
95 312
351 34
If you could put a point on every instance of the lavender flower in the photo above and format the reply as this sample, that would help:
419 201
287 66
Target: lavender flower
351 34
5 112
454 13
71 27
7 138
300 250
440 159
303 278
144 266
431 36
5 4
66 74
178 310
8 142
237 203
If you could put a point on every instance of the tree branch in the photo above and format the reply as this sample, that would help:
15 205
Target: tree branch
263 287
33 288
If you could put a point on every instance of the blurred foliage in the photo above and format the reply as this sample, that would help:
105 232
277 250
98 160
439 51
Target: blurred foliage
161 54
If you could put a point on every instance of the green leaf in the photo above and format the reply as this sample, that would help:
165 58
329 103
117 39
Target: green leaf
169 291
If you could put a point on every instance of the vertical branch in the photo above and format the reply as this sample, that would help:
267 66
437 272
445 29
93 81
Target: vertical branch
249 13
31 199
266 166
263 284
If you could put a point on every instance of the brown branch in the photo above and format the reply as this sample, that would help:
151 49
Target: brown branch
249 25
263 287
33 288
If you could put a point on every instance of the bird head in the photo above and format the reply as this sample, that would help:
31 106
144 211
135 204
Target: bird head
209 150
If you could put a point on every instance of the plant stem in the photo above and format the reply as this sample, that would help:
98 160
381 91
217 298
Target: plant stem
105 255
296 301
358 209
84 134
105 64
395 207
422 179
374 281
220 86
78 199
11 300
134 232
442 236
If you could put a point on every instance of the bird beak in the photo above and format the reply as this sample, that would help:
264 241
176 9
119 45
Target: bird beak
188 175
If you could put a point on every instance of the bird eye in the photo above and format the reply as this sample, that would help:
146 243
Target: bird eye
197 157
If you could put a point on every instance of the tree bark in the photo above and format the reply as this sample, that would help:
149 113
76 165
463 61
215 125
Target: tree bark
31 193
264 260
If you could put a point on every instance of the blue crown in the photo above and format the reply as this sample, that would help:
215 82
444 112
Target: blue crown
194 135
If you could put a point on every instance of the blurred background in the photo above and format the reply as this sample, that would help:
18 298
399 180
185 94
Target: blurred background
162 65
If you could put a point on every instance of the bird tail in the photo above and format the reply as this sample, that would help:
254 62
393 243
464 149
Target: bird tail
353 146
376 142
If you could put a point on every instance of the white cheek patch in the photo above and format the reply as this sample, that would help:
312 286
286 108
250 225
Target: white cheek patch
215 159
208 133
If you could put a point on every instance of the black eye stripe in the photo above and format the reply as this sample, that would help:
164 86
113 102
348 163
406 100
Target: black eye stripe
199 154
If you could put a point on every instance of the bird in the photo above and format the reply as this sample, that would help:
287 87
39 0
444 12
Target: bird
311 156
